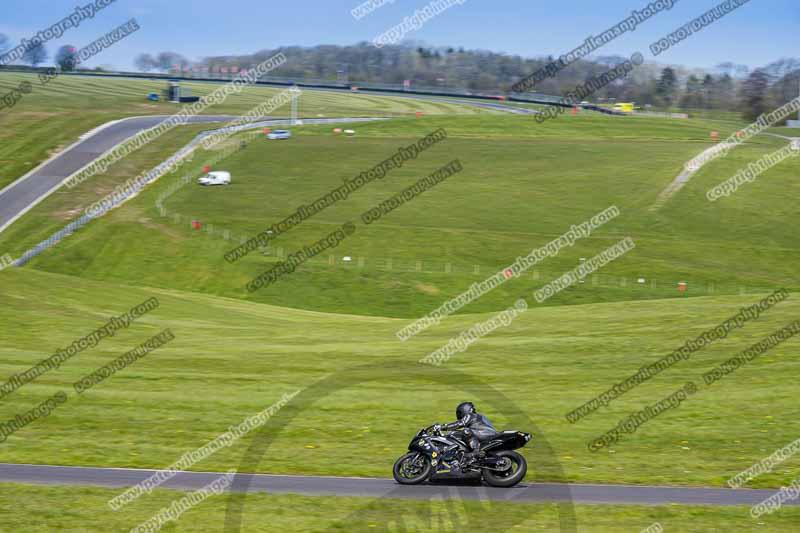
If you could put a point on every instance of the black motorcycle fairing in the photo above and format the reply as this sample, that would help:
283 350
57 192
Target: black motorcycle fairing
507 440
453 439
422 443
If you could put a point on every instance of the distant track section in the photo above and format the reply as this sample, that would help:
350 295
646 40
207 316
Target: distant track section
20 196
151 177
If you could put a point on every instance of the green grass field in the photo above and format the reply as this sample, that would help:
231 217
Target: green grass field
53 115
233 358
328 329
84 509
522 185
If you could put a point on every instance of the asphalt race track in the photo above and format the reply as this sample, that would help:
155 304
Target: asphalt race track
370 487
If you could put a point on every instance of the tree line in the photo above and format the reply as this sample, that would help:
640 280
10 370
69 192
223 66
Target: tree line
727 87
34 56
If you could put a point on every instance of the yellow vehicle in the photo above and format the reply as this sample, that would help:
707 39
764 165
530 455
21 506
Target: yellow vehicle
625 108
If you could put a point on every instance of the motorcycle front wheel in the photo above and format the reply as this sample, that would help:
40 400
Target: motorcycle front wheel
412 469
515 469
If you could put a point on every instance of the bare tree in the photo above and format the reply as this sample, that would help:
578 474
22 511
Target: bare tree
754 95
145 62
35 56
66 57
167 60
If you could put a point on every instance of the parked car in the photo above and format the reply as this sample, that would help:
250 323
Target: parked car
279 134
215 178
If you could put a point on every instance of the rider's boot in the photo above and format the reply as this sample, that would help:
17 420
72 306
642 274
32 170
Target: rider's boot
471 456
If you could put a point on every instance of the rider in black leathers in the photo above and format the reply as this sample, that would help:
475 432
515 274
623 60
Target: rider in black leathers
476 427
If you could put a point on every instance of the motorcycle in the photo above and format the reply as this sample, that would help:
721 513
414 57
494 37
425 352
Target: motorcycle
433 453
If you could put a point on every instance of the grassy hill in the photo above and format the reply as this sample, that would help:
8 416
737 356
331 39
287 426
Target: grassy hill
523 184
328 329
55 114
231 359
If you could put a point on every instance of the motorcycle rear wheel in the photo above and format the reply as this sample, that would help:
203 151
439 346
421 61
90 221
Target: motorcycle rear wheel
515 473
411 469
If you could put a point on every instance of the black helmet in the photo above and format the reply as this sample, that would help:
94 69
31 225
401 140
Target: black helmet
464 409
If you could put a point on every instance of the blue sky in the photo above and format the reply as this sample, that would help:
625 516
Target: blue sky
755 34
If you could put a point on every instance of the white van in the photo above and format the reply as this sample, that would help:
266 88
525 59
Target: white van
215 178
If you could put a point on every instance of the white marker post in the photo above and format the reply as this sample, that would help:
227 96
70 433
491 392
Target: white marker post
295 98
